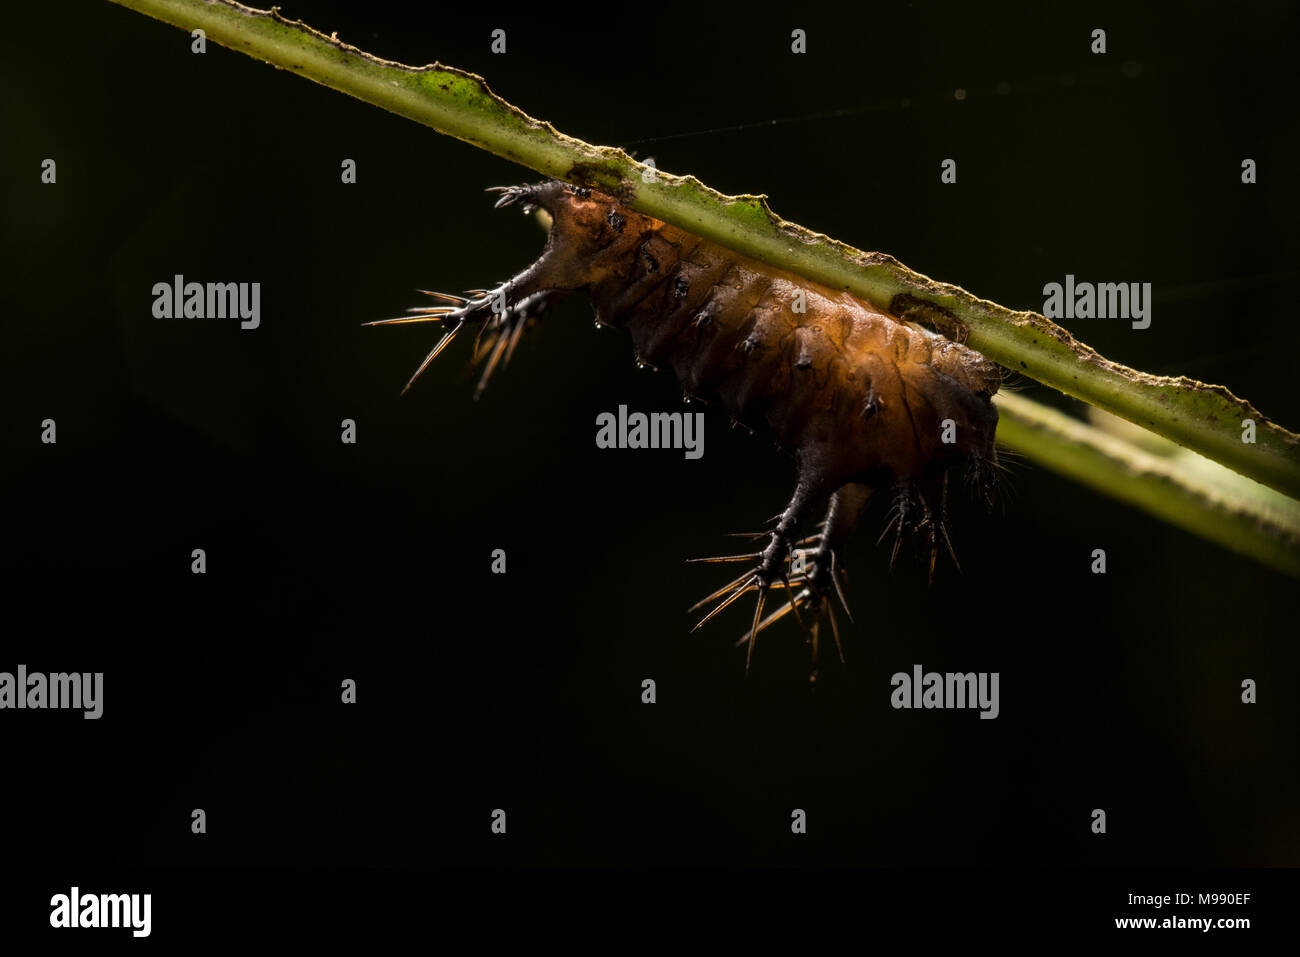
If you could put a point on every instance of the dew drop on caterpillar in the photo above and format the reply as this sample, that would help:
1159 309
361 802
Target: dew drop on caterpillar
865 399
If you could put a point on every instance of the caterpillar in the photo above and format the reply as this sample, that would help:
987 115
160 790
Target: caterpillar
865 400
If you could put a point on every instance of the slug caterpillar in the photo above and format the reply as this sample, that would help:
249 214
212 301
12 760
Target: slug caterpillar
864 399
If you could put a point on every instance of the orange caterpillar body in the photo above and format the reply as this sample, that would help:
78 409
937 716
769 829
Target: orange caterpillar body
864 399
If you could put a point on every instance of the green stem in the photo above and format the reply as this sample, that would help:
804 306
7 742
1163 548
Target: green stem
1182 488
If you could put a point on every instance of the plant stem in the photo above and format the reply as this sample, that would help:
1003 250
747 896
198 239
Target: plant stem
1198 496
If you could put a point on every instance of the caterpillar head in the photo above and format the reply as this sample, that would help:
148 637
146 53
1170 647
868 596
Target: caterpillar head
588 234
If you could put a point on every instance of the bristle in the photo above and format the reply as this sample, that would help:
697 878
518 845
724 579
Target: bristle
750 556
753 631
509 194
498 349
520 324
403 320
719 593
835 630
839 590
442 344
750 584
772 619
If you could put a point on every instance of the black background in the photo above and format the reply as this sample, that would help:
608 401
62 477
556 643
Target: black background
522 691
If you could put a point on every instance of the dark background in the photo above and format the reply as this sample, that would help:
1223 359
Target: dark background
521 691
